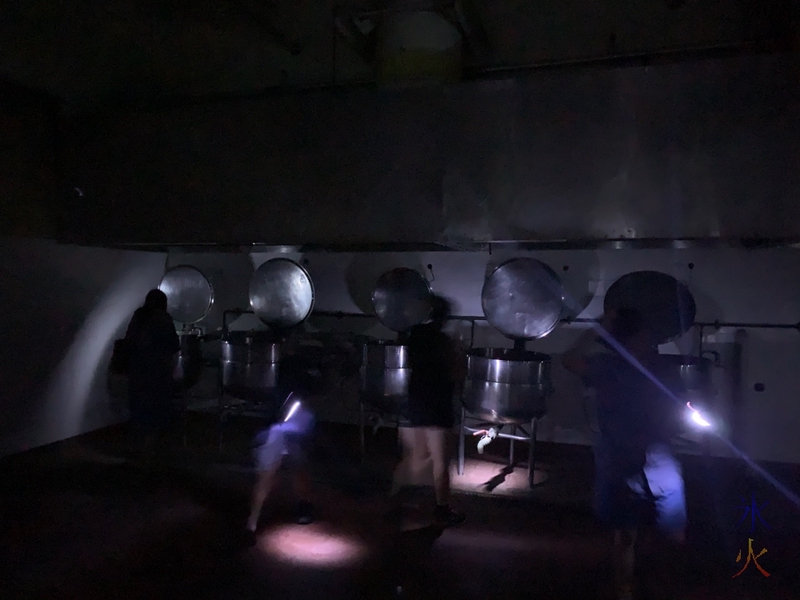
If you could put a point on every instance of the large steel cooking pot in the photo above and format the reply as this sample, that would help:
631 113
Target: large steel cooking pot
502 365
667 305
189 299
505 403
385 374
523 299
693 373
190 358
250 364
402 299
189 294
507 386
281 293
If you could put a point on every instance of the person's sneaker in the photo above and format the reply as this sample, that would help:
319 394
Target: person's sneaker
447 517
304 513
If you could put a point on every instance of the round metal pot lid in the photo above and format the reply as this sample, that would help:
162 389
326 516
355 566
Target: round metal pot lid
189 294
402 299
281 293
666 305
523 299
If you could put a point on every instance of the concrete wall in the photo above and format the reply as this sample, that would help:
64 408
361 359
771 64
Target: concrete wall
728 285
693 150
63 307
29 173
138 50
557 30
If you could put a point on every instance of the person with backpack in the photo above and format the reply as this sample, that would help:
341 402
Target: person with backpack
151 348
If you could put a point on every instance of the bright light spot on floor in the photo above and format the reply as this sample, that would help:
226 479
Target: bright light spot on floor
312 545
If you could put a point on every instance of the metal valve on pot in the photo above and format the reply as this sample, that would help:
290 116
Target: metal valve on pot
487 435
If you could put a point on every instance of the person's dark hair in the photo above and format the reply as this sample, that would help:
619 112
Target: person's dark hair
156 299
440 309
627 323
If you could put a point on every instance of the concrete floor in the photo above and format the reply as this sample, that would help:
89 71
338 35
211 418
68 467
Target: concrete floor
80 522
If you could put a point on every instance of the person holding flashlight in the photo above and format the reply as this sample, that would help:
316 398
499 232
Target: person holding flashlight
638 480
287 441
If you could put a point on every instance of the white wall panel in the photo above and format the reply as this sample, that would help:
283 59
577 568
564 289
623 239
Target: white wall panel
63 307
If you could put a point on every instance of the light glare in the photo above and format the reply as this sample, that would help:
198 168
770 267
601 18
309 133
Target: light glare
292 410
697 418
312 545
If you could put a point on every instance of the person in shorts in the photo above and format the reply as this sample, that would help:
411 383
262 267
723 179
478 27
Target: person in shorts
638 480
288 442
431 415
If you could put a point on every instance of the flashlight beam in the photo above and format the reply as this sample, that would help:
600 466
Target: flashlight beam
292 410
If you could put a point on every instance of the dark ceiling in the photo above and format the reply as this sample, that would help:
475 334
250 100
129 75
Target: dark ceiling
90 52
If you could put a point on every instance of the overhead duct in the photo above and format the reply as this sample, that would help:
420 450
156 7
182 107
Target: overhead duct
419 47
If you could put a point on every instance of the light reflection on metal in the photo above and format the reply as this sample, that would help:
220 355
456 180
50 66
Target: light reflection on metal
385 374
402 299
697 417
189 294
523 299
315 545
265 248
281 293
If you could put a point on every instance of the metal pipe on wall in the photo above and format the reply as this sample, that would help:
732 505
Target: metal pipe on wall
474 246
624 59
721 324
476 74
701 324
715 324
344 315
